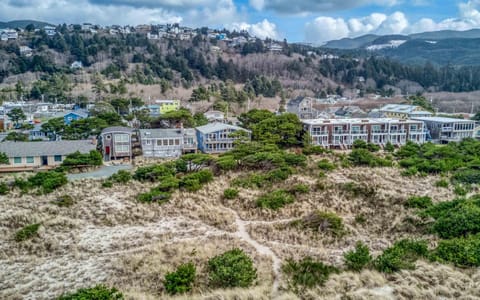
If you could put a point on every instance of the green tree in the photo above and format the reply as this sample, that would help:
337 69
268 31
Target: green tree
4 159
16 137
16 115
181 280
282 130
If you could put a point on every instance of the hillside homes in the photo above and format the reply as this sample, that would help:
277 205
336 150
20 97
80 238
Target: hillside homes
444 130
217 137
117 143
342 133
164 143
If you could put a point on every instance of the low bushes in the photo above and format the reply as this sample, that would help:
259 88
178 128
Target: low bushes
275 200
45 182
122 176
230 194
299 189
258 180
77 159
402 255
326 165
324 222
64 201
154 172
193 182
233 268
363 157
456 221
418 202
99 292
154 195
4 189
181 280
462 252
359 258
359 190
27 232
307 272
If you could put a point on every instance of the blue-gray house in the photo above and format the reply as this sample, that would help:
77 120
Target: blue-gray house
74 116
217 137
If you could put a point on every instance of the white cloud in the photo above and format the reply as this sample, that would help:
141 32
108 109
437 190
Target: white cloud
323 29
264 29
308 6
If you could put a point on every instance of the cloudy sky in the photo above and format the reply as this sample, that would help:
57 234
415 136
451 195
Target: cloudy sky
313 21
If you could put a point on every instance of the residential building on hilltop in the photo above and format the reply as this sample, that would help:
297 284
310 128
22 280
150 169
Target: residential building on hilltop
217 137
444 130
342 133
75 115
167 105
117 143
163 143
25 156
302 107
403 111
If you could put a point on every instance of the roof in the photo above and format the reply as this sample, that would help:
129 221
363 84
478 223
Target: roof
22 149
421 112
399 108
357 121
296 101
117 129
443 120
78 112
214 127
165 133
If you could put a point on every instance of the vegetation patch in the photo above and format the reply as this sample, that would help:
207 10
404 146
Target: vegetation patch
154 195
307 272
27 232
421 202
230 193
64 201
233 268
326 165
77 159
359 258
363 157
122 176
99 292
359 190
194 181
180 281
45 182
324 222
275 200
402 255
4 189
462 252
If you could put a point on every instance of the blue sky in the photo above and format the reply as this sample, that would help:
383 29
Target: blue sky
313 21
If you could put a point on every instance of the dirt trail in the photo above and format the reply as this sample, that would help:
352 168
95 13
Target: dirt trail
243 234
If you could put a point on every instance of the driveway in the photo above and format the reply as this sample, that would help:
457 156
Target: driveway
103 172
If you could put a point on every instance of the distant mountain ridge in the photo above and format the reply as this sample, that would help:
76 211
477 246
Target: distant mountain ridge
372 39
23 24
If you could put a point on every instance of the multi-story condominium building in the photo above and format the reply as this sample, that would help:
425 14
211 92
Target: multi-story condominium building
165 143
117 143
217 137
341 133
444 130
403 111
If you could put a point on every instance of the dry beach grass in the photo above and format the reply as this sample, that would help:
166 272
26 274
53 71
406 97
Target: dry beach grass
106 236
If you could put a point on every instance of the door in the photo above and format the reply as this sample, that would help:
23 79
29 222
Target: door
44 160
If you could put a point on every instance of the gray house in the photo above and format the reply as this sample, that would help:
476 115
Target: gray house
444 130
217 137
117 143
163 143
302 107
25 156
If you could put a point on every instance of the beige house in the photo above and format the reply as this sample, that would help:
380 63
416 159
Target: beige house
26 156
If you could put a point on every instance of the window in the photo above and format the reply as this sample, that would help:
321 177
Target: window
170 142
147 142
57 158
413 127
177 142
17 160
376 128
159 142
355 129
108 137
122 138
122 149
29 159
165 142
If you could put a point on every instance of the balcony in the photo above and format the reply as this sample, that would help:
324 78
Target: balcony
379 132
447 129
401 131
319 133
359 132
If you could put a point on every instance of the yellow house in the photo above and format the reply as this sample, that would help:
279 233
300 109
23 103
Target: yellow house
167 105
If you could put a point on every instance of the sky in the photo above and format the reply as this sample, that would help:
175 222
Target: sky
311 21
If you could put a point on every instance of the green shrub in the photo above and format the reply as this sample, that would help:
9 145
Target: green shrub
324 222
233 268
462 252
467 176
412 171
77 159
181 280
107 184
460 190
154 196
402 255
275 200
359 190
360 219
458 219
359 258
442 183
46 182
226 163
314 150
4 189
168 184
99 292
389 147
27 232
154 172
326 165
193 182
122 176
64 201
307 272
418 202
230 193
299 189
363 157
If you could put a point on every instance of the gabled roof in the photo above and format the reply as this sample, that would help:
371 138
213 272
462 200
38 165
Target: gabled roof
217 126
78 112
22 149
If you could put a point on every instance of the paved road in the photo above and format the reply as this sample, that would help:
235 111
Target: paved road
104 172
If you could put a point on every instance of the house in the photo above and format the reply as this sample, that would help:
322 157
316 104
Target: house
403 111
217 138
75 115
302 107
163 143
214 116
8 34
275 48
117 143
444 130
476 132
37 134
342 133
26 51
50 30
351 111
167 105
76 65
41 155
